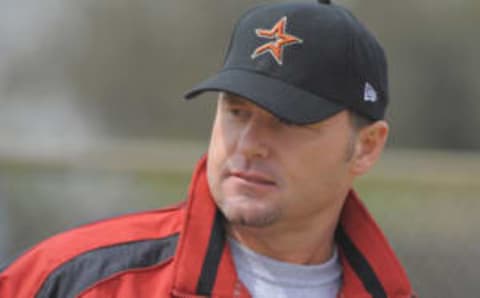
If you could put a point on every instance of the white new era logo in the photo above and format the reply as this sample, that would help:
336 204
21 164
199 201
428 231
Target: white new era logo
369 93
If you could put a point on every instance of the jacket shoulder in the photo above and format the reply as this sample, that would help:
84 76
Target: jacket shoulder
70 262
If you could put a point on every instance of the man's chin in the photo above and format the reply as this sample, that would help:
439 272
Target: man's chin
251 216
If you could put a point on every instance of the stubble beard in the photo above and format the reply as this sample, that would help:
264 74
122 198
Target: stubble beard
237 213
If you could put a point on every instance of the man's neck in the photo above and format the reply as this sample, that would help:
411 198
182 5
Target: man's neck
306 241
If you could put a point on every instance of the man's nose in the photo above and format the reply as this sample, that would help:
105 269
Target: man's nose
252 141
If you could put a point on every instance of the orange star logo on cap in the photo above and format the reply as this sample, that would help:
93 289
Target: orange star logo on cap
281 40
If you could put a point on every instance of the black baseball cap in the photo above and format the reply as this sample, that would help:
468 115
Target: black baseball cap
304 62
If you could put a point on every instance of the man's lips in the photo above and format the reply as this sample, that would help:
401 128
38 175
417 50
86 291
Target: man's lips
253 177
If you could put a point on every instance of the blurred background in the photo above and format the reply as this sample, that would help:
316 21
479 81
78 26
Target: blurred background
92 121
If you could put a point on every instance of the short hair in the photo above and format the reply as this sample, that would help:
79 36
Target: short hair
359 121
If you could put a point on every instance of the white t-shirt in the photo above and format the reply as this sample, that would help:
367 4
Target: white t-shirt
265 277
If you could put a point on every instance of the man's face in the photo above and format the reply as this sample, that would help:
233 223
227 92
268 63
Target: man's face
262 171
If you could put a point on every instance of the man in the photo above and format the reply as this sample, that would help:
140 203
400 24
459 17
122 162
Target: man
271 211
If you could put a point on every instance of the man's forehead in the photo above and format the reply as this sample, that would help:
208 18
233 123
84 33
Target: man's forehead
233 98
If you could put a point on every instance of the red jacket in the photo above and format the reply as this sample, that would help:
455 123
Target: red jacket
182 252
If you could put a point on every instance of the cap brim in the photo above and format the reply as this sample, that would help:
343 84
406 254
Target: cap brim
279 98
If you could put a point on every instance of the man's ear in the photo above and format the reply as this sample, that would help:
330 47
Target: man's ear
369 145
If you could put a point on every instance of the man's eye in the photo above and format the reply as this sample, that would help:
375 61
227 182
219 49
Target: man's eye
235 112
286 122
238 112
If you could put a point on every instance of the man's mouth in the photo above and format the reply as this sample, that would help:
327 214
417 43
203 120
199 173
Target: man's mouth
254 177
